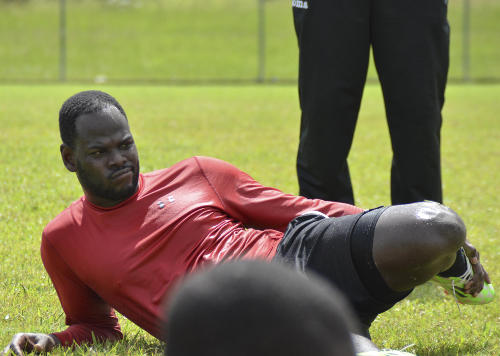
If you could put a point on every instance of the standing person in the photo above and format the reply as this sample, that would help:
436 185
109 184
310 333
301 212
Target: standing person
126 242
410 41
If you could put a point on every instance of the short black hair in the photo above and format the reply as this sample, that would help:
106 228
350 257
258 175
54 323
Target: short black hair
249 308
85 102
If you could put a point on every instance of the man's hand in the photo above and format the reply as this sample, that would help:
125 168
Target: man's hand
480 275
30 342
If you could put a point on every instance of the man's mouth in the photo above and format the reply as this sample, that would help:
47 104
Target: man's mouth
121 172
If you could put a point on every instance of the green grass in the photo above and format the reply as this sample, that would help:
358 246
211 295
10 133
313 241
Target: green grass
256 128
187 40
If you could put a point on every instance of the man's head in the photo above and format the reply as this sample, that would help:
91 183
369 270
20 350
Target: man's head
249 308
98 146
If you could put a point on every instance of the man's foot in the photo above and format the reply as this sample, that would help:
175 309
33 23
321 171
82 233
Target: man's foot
455 286
385 353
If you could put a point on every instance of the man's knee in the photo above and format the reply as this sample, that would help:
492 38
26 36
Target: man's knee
439 224
413 242
418 233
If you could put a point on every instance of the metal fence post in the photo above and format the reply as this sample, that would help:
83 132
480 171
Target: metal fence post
466 41
261 74
62 40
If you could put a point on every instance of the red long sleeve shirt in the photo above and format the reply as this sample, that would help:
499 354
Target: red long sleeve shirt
128 257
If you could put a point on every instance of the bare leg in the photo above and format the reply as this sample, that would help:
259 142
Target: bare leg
414 242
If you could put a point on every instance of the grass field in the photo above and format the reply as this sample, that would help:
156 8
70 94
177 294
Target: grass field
255 128
188 40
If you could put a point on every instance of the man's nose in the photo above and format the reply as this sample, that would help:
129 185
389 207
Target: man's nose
116 158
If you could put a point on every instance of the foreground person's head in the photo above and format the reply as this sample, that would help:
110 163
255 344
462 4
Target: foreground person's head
98 146
251 308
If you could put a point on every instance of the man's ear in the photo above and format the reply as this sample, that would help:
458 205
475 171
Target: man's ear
68 158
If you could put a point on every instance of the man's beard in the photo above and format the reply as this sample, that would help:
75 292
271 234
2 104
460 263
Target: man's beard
108 193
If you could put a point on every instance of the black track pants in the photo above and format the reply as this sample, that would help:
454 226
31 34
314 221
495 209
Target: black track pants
410 41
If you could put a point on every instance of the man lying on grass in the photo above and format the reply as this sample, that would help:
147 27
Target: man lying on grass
126 242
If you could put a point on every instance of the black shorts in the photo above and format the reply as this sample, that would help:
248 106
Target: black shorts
340 250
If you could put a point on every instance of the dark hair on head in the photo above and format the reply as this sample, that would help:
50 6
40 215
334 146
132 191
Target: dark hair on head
250 308
85 102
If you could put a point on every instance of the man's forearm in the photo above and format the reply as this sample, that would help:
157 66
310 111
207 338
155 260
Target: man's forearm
87 334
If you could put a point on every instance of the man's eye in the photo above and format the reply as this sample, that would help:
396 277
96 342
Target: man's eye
125 146
95 153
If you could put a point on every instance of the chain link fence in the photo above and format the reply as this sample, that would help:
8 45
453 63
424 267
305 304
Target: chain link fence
195 41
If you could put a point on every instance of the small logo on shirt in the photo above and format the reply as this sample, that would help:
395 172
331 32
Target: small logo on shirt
161 204
300 4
